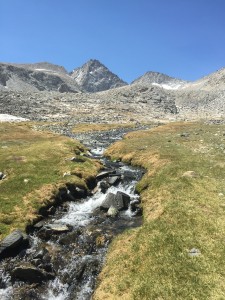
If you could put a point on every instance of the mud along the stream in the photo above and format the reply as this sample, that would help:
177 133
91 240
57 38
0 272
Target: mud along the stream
63 254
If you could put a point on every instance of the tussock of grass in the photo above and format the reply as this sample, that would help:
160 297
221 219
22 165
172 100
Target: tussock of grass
180 213
34 163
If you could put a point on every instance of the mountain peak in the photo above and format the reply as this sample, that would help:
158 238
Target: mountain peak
160 79
93 76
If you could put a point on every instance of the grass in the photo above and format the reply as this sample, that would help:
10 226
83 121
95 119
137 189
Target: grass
34 163
84 127
180 213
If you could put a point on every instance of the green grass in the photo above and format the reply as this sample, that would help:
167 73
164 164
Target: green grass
180 213
34 163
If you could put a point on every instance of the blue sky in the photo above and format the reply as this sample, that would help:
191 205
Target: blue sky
181 38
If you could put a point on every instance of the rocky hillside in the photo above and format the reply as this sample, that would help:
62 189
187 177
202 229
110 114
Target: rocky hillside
212 82
125 104
160 79
93 76
36 77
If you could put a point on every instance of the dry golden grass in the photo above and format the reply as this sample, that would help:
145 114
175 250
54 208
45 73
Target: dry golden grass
79 128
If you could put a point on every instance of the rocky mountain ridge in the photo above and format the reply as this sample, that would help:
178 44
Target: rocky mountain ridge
91 77
44 91
160 79
32 78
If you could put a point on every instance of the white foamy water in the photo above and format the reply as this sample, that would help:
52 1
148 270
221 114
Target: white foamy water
56 291
97 151
5 293
79 214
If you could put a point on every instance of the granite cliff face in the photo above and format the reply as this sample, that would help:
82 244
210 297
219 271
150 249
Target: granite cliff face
93 77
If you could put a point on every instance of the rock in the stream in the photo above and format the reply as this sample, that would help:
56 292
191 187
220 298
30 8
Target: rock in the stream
49 230
104 186
128 176
114 179
28 272
70 237
13 244
57 228
120 201
104 174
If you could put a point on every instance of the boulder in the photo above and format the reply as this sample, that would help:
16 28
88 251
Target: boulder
128 176
120 201
70 237
114 179
13 244
29 273
104 186
39 225
108 202
47 231
104 174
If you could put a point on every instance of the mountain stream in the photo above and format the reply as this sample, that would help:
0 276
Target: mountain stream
68 247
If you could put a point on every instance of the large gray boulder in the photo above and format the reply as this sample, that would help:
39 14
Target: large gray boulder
13 244
119 200
29 273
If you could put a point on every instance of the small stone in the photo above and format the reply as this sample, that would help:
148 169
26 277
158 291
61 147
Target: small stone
194 252
77 159
66 174
184 134
2 176
58 228
220 194
190 174
26 180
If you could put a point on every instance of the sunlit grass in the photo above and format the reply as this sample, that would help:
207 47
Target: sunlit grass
180 213
34 163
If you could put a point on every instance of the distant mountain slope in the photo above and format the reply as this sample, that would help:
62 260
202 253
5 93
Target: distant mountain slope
160 79
36 77
213 81
44 66
93 76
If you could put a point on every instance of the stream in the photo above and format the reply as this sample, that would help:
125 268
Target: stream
68 247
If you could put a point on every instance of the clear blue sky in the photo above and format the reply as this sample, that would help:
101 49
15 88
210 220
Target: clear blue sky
181 38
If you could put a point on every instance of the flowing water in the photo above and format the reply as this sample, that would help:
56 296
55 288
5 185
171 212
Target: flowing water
74 257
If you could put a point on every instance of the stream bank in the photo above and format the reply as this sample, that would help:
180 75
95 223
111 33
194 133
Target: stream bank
67 249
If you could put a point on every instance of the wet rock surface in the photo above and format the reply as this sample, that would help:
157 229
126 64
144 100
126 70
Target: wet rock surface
68 246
